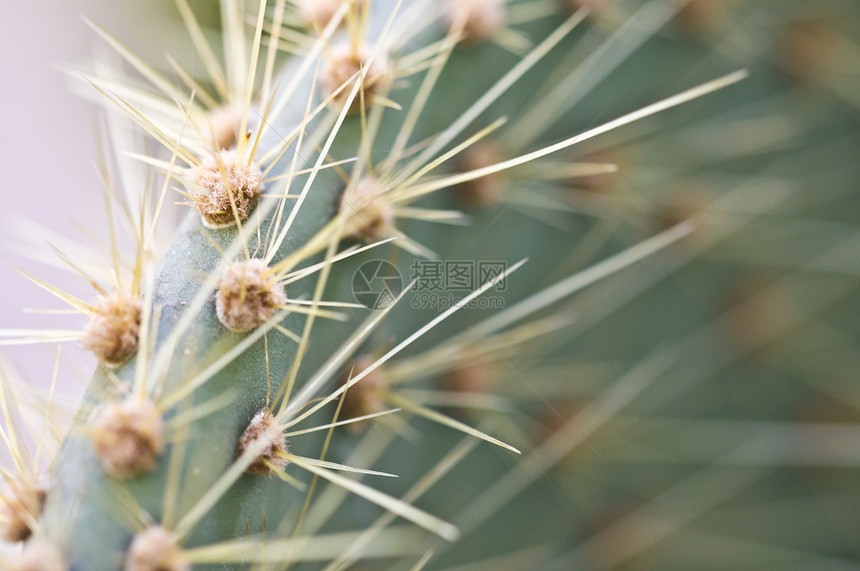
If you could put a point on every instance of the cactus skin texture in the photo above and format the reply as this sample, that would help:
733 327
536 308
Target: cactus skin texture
610 403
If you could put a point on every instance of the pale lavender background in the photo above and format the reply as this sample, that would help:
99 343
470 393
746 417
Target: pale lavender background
47 151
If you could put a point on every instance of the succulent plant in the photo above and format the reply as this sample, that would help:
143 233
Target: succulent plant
538 285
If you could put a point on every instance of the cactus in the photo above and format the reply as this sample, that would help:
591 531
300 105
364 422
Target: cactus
453 290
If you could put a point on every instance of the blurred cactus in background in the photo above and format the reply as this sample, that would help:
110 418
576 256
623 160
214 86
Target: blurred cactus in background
465 285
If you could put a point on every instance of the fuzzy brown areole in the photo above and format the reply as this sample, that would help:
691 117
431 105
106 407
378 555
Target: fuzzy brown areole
320 12
344 62
247 297
225 124
128 437
113 329
216 193
264 428
367 395
370 209
20 503
39 555
486 190
480 18
155 550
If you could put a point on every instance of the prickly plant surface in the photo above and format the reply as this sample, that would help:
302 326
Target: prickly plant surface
538 285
